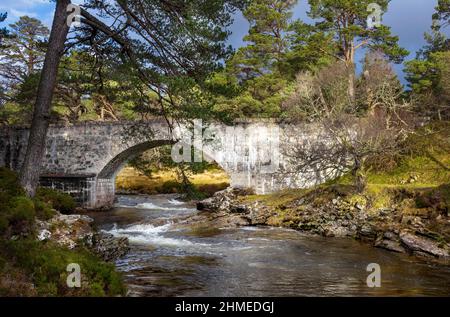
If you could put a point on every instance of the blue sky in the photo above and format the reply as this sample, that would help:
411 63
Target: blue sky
409 19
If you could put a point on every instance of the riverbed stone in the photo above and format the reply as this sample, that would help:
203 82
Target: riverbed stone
108 247
72 231
423 245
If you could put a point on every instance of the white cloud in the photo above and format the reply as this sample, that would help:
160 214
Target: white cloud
18 13
33 8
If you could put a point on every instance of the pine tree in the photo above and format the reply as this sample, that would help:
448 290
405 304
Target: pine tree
345 22
267 42
3 31
24 50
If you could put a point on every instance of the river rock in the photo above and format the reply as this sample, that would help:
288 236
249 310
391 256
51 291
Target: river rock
44 234
367 232
66 230
390 245
422 245
108 247
207 205
238 209
335 230
73 231
224 200
390 241
219 201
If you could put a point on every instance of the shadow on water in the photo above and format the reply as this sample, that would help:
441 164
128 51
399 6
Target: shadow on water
206 261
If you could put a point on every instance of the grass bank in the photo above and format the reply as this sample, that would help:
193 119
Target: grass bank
165 182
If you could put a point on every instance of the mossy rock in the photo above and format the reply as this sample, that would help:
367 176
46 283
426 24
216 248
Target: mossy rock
359 200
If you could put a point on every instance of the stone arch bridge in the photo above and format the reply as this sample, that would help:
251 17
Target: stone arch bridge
84 159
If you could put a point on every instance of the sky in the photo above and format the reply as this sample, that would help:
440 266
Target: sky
409 19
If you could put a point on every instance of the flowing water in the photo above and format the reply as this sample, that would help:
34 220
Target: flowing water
252 261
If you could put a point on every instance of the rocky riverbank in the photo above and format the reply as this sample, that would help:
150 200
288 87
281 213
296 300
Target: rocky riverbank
335 211
72 231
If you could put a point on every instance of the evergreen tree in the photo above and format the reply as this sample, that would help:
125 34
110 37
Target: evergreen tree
3 31
308 49
267 38
255 75
345 22
442 15
428 74
24 50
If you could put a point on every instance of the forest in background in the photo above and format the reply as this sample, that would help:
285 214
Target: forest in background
284 65
288 69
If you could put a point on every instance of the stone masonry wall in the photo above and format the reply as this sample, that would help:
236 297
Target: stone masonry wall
88 156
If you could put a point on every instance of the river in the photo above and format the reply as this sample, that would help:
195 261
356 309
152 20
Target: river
166 260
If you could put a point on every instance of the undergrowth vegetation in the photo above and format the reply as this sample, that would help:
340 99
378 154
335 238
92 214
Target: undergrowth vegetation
29 267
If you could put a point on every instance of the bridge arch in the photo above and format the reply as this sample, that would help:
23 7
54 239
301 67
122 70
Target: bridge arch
105 184
83 159
112 168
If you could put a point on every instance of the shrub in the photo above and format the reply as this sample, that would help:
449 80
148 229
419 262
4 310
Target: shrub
43 210
17 217
46 264
39 268
9 187
62 202
437 198
169 187
21 215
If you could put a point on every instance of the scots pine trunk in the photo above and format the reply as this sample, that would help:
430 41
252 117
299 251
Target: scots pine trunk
351 84
29 174
350 61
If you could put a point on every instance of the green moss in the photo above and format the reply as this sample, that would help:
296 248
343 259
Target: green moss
279 198
46 263
358 199
425 161
62 202
43 210
17 216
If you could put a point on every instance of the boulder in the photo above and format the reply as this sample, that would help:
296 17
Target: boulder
367 232
207 205
44 234
66 230
73 231
224 200
422 245
390 241
220 201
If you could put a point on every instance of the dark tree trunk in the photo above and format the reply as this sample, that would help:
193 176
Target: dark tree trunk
29 174
351 83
